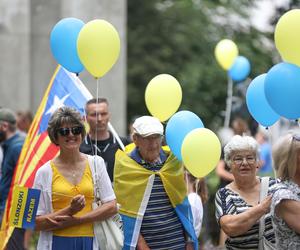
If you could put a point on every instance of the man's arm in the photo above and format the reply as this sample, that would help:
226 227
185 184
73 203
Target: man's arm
142 244
222 172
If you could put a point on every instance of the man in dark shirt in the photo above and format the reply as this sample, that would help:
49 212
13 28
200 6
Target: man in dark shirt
11 143
97 116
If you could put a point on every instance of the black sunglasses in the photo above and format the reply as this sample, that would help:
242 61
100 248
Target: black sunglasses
66 131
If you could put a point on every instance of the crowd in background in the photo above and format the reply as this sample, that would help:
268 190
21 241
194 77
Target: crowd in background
231 192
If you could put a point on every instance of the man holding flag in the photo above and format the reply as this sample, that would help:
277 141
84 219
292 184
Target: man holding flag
12 143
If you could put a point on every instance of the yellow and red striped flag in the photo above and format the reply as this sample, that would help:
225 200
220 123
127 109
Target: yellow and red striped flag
64 89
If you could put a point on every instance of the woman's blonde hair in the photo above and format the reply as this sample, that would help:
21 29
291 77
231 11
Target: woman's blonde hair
199 186
285 156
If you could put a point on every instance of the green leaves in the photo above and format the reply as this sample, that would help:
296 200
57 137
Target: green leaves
178 38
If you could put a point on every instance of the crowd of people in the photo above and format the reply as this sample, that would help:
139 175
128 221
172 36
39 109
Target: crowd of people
161 204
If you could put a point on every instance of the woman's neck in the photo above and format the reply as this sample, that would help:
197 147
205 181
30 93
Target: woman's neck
69 157
246 184
190 187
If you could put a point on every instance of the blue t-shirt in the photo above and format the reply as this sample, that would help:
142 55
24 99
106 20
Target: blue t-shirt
11 152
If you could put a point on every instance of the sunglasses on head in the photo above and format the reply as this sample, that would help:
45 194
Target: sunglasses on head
66 131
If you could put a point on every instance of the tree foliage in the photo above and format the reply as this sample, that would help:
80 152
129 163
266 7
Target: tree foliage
178 37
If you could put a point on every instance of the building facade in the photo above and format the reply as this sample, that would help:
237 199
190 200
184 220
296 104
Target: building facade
27 63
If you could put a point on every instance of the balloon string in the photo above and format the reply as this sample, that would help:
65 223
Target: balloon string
96 124
298 122
228 102
96 130
270 140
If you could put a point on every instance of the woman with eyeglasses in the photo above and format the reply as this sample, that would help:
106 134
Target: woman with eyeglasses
238 209
65 216
285 208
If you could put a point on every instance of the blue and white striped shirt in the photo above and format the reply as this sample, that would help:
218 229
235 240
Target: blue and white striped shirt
161 227
229 202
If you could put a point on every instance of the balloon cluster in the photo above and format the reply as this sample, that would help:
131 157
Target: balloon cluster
94 45
276 93
226 53
197 147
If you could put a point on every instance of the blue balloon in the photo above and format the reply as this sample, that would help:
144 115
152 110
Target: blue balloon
179 125
257 103
63 43
240 69
282 88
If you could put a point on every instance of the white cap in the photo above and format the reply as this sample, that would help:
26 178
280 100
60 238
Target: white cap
147 125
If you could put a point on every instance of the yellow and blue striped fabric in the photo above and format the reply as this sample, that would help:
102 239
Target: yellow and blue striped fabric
133 185
24 207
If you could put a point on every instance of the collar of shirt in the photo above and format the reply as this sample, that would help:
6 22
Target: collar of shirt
8 141
135 155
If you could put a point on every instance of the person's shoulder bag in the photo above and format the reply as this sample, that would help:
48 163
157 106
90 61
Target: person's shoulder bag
109 232
264 244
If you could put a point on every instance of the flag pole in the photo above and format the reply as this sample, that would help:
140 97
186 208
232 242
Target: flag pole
228 102
115 134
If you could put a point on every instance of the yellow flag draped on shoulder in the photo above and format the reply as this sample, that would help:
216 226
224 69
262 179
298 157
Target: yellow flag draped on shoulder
133 185
131 180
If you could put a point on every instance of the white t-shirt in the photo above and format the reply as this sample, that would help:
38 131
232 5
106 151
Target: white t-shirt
197 210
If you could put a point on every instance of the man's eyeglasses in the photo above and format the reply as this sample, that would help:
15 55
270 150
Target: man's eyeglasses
66 131
239 160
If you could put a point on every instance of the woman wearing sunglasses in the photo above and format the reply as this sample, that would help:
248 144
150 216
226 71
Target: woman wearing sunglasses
285 208
238 205
65 216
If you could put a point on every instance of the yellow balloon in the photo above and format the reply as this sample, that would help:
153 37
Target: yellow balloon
225 52
201 151
163 96
98 47
287 36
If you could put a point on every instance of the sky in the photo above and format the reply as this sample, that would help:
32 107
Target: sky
264 11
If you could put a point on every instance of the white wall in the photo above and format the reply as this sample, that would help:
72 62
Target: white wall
26 60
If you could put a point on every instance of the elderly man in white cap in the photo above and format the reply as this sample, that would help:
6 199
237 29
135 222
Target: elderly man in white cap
150 187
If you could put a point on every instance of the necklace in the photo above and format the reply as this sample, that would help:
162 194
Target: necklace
75 172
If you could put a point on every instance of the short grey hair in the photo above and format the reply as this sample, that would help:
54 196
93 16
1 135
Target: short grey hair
240 143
